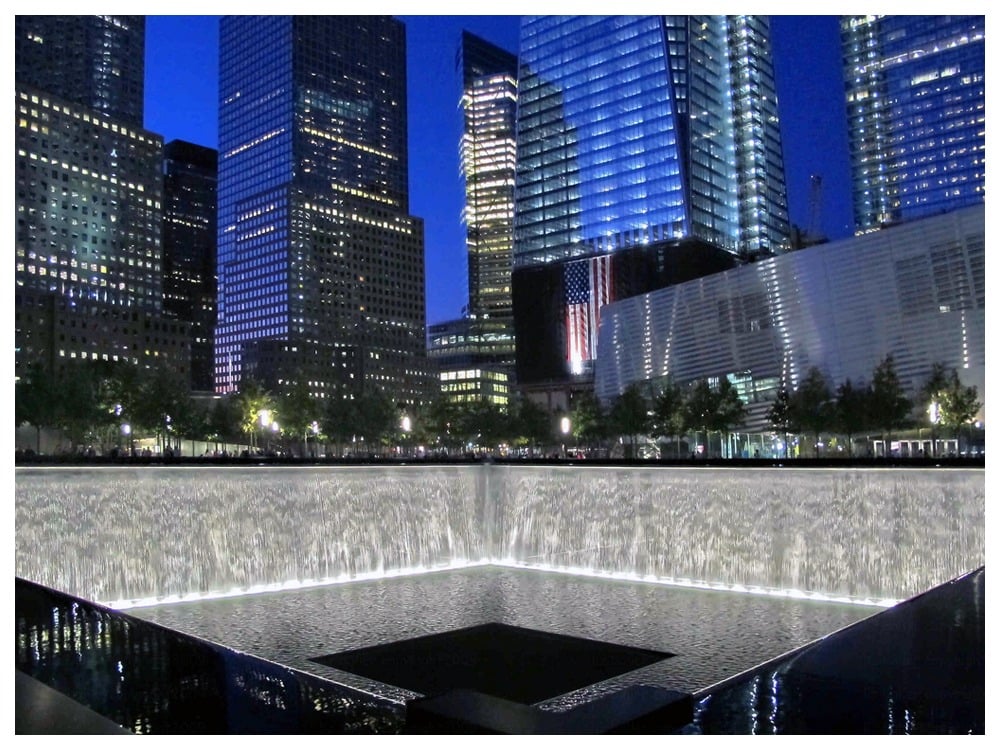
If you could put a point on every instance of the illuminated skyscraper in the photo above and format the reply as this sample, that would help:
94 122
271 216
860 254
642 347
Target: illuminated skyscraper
95 61
648 153
916 108
320 265
88 206
489 103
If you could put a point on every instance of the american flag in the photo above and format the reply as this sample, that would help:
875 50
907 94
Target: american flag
588 286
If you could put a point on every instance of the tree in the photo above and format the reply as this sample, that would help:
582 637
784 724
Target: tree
957 404
483 423
223 420
629 416
931 395
298 409
116 388
588 420
936 382
850 411
251 401
888 406
463 427
422 430
35 401
668 415
162 398
338 421
811 404
729 409
376 418
80 406
193 423
533 424
711 409
700 403
781 416
440 421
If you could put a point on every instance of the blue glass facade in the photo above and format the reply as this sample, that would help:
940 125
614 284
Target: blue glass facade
595 103
641 132
916 105
255 164
630 131
320 267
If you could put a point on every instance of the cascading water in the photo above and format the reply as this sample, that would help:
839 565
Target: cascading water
856 533
120 535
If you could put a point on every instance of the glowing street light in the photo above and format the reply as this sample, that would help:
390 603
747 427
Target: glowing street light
934 412
127 432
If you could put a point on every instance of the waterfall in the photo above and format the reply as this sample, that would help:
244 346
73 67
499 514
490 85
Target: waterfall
128 534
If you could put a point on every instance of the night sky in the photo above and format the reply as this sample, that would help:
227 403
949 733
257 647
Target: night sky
182 97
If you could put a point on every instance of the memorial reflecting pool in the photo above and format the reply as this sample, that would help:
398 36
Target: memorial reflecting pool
725 567
713 634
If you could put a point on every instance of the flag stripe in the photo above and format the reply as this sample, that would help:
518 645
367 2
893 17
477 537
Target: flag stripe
587 288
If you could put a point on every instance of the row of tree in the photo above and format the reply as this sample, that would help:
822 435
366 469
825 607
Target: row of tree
109 405
702 407
103 402
851 409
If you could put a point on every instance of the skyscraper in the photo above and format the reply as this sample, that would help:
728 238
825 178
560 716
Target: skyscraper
488 154
88 205
916 108
320 266
648 153
94 61
189 236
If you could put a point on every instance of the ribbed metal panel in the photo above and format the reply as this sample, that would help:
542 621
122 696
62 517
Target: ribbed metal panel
914 291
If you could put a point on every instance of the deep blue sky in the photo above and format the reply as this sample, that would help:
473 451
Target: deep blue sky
182 97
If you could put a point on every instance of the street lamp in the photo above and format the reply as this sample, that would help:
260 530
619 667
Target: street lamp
264 417
314 428
564 426
405 425
934 413
127 431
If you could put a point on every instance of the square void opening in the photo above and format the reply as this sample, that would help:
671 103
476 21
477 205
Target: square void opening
517 664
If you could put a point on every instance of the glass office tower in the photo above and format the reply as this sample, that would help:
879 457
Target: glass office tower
488 155
916 108
94 61
320 266
88 205
646 146
190 175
